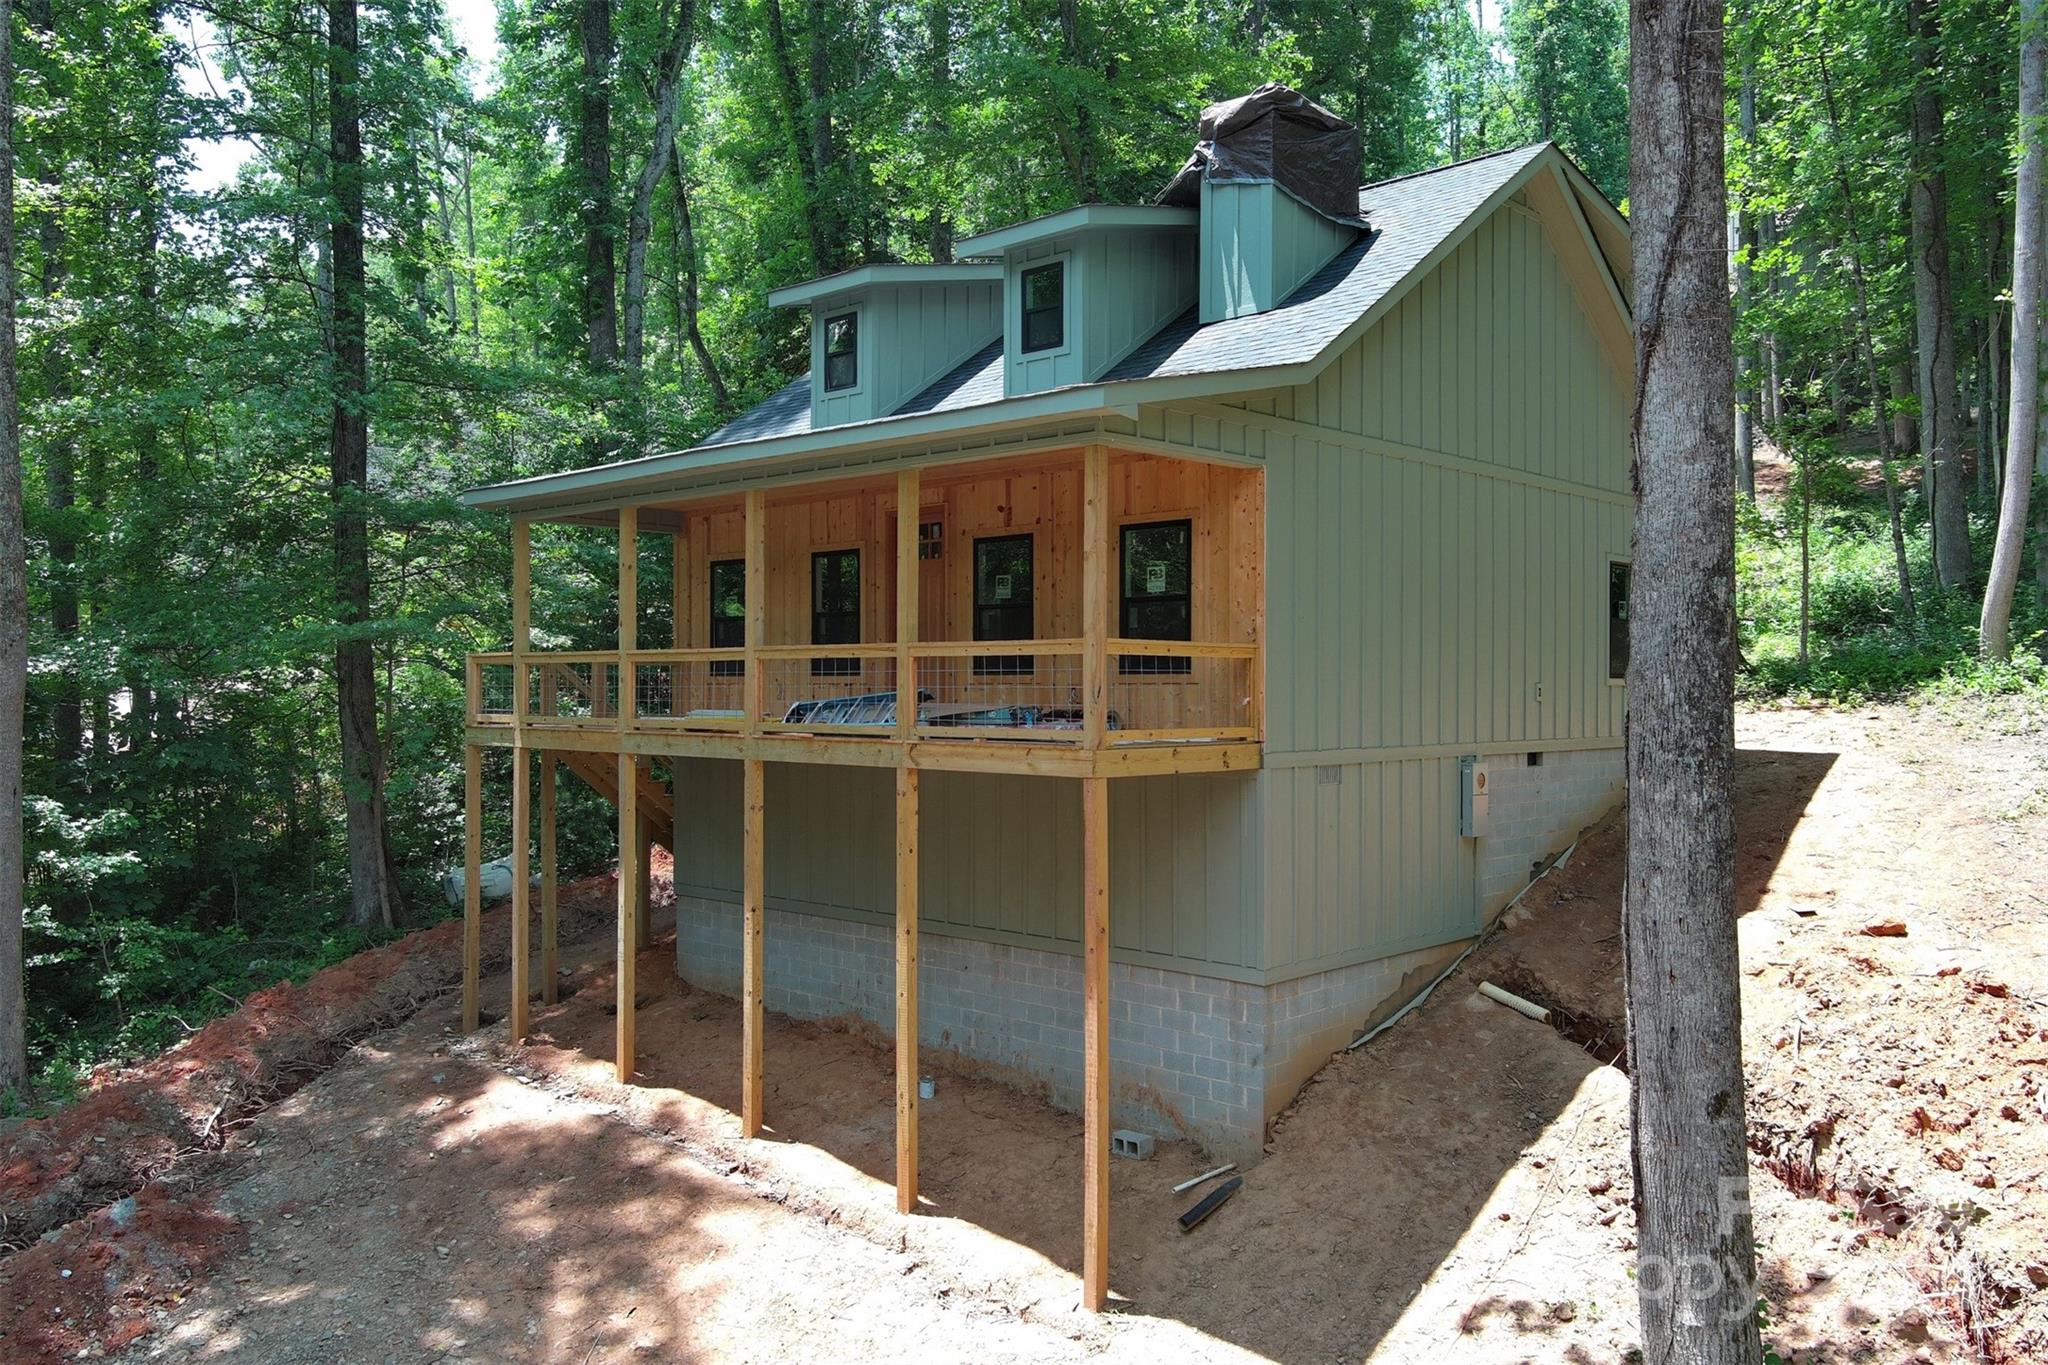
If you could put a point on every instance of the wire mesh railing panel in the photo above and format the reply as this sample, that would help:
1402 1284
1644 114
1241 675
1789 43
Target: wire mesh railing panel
828 688
967 696
492 691
573 689
1182 695
694 690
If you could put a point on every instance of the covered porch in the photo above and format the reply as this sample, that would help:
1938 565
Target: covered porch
1087 613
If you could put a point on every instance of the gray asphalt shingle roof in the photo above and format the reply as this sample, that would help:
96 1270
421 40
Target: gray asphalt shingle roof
1409 217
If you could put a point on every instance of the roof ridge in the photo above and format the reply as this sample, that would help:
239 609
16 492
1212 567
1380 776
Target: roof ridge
1452 165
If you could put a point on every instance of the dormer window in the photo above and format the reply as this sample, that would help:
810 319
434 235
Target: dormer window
842 342
1045 311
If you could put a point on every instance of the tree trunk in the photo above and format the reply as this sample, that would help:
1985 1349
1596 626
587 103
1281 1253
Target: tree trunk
372 895
1934 307
1905 428
13 608
686 295
1861 298
1994 626
1696 1276
1745 291
668 86
822 221
938 26
594 162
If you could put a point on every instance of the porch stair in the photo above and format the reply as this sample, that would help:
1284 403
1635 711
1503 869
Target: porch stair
600 772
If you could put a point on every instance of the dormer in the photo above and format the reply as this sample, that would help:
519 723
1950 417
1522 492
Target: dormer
1083 287
881 333
1276 178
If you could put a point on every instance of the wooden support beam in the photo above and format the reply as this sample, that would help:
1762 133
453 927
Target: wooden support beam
643 904
679 592
907 578
753 911
1095 570
549 895
1095 1041
472 883
906 989
522 616
754 683
629 895
522 895
629 581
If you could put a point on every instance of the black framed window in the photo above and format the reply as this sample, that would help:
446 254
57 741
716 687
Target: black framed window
842 344
1153 593
1002 602
1044 291
835 609
1619 582
728 614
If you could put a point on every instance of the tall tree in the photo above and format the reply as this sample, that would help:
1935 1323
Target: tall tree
594 162
1994 626
1696 1276
373 895
667 92
13 609
1745 292
1934 305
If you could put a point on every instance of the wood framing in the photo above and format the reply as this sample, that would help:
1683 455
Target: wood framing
522 894
629 594
472 885
755 681
908 586
549 890
753 913
1095 1042
906 989
1095 593
522 615
627 946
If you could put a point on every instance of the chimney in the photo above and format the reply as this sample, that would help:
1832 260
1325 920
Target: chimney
1276 178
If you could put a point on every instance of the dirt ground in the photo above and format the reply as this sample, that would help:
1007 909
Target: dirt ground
1455 1190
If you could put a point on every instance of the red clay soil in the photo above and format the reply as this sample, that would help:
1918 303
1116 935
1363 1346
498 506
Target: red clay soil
135 1122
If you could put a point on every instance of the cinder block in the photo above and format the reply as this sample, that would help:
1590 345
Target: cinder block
1128 1142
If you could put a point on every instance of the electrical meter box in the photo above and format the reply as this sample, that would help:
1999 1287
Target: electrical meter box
1472 797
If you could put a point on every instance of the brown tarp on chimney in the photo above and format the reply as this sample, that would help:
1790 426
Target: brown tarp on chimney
1280 135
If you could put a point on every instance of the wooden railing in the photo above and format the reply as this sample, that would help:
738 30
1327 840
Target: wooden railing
1154 691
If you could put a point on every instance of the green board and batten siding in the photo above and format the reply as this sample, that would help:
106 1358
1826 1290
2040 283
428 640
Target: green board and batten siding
1439 523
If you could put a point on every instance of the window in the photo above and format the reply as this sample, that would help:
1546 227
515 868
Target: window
1617 619
728 614
1045 313
835 609
1152 600
1002 602
842 341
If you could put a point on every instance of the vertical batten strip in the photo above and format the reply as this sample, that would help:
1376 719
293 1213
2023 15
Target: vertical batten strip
472 883
625 942
522 894
1095 1041
753 910
755 685
906 988
549 900
908 511
1095 594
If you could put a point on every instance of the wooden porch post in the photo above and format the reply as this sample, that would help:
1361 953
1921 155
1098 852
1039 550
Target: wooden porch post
629 895
754 684
1095 1041
548 895
753 912
1094 595
906 989
643 904
522 896
907 512
522 619
472 882
629 616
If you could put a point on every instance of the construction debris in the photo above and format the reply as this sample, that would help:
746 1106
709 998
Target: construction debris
1225 1169
1212 1201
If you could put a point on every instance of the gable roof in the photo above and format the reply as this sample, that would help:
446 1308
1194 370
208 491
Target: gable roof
1413 222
